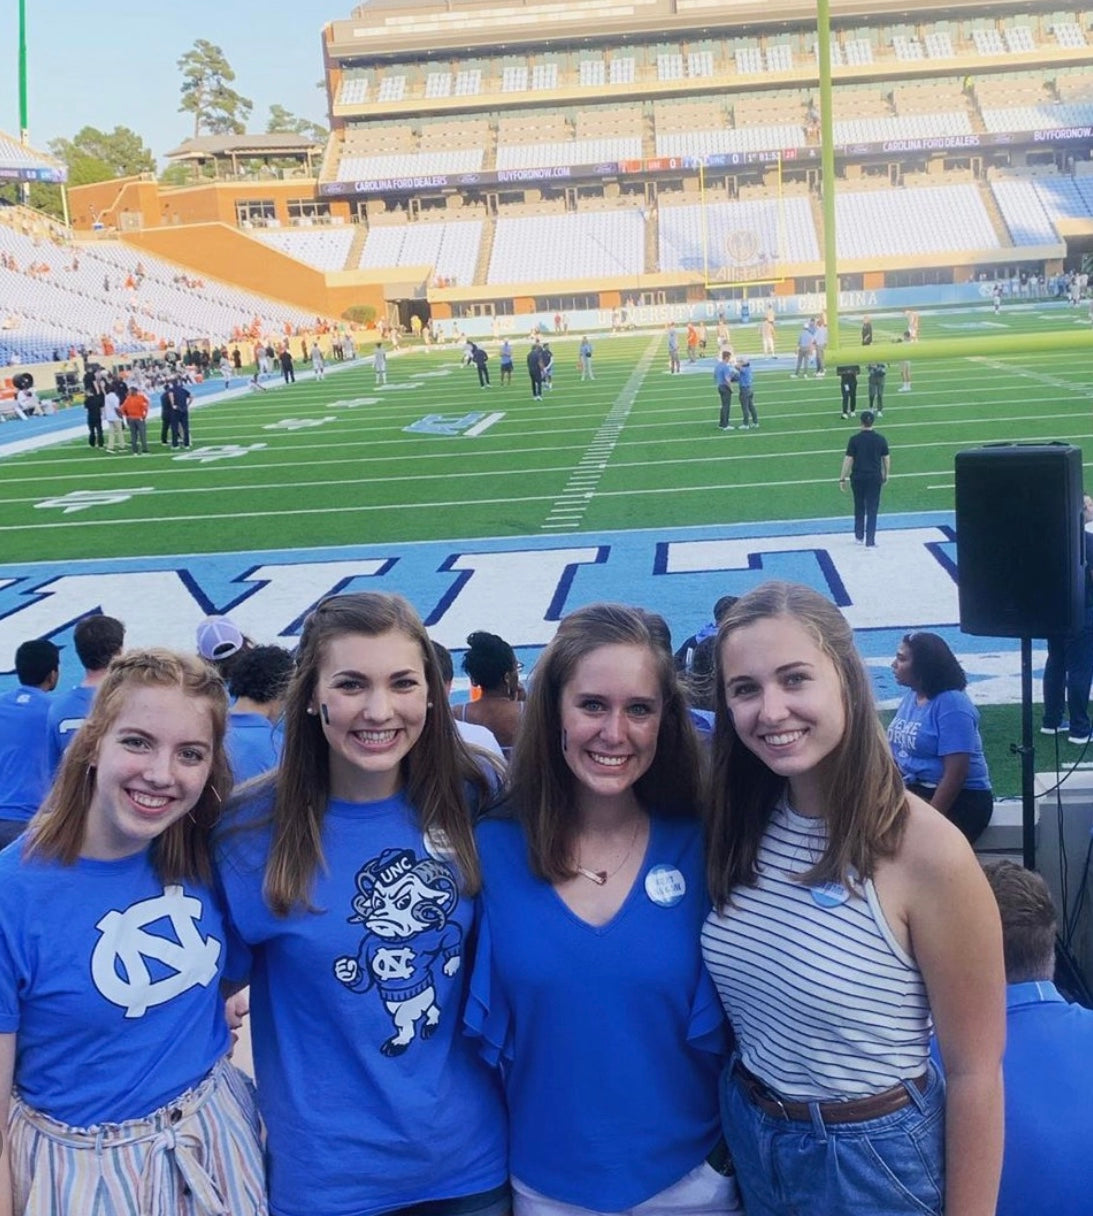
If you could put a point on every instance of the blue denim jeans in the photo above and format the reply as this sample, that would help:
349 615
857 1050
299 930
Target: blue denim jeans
882 1167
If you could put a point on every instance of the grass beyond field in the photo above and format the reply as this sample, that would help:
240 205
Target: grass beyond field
332 462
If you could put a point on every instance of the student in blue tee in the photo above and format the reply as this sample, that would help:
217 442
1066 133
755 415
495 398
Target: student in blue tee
589 991
97 639
112 951
24 745
351 874
934 735
257 683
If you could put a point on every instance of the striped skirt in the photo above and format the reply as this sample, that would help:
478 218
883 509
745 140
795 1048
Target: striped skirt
199 1156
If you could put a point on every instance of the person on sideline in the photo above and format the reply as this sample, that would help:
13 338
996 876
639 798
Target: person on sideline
867 464
905 366
806 346
351 874
506 362
935 734
584 360
24 737
134 409
1048 1065
593 900
723 375
112 949
849 918
1068 671
877 374
97 639
491 664
379 365
746 377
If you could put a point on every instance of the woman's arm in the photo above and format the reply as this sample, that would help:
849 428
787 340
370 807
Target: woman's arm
954 772
956 938
7 1074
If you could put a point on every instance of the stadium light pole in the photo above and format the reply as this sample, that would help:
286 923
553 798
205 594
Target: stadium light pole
827 167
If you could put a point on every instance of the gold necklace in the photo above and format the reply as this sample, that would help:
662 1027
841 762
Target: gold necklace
600 877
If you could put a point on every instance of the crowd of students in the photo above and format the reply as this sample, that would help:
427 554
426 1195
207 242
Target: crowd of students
661 961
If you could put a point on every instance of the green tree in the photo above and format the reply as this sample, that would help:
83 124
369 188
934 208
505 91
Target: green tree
207 93
282 120
98 156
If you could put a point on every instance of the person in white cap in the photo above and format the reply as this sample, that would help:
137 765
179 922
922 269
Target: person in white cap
219 641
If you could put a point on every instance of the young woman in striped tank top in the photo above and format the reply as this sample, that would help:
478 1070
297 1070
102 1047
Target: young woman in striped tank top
850 919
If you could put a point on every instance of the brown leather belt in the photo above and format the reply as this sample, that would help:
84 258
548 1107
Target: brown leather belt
857 1110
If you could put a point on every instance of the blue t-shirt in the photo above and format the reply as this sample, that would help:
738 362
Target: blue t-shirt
920 735
610 1038
24 751
66 715
110 981
372 1097
254 745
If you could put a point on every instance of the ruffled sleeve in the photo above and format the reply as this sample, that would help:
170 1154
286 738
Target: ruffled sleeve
488 1014
708 1028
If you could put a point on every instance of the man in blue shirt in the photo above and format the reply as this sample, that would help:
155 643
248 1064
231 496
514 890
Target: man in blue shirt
257 683
24 766
97 639
723 375
1048 1065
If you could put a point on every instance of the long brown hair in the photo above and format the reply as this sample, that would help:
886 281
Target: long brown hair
864 794
541 786
182 850
436 772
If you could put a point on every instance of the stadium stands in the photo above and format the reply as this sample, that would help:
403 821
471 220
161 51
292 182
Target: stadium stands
764 229
451 248
323 248
584 246
912 221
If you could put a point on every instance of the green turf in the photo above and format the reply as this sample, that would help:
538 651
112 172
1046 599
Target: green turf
358 476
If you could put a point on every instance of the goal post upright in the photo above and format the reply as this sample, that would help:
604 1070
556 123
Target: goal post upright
827 166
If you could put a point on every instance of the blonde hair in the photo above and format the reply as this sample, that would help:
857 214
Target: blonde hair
182 850
865 800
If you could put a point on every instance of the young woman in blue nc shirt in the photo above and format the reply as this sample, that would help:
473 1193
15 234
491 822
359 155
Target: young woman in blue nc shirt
589 991
112 951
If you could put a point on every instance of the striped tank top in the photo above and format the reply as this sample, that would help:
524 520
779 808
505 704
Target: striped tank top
824 1001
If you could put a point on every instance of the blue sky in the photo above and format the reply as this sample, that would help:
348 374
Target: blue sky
114 63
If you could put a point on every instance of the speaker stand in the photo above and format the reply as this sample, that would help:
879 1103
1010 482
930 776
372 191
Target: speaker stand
1028 761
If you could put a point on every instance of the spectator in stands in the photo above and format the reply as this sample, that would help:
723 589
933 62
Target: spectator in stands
111 413
493 669
584 360
1048 1065
93 403
1068 671
535 372
934 734
180 414
24 738
471 732
134 409
97 639
806 345
877 374
288 367
836 892
379 364
220 642
506 362
866 331
602 806
866 464
258 682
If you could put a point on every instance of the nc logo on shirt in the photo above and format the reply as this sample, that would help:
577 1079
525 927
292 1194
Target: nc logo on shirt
119 964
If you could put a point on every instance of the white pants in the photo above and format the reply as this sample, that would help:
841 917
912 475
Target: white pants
702 1192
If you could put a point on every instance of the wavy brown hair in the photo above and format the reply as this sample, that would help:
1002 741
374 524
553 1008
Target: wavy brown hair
182 850
865 798
541 787
438 772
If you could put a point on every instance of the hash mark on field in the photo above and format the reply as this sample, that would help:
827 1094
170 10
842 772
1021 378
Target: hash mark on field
1029 374
586 476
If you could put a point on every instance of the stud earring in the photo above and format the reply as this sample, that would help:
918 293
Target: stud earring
311 712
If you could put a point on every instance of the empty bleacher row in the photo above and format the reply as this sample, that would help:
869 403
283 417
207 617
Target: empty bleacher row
58 294
972 39
608 239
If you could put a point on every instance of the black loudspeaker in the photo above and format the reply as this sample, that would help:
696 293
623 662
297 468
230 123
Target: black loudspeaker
1020 544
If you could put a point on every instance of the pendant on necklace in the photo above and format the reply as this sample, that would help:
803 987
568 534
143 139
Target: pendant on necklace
599 877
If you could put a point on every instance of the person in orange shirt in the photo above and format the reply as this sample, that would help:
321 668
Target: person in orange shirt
692 342
135 411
